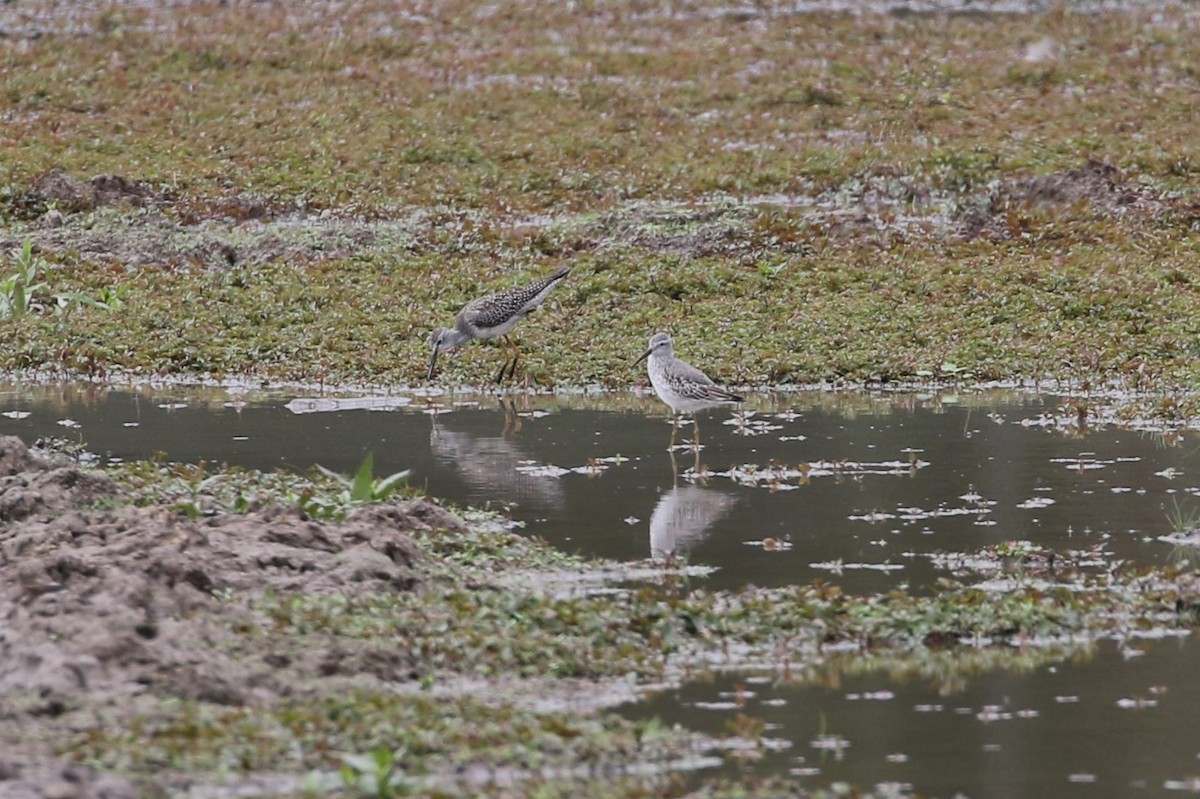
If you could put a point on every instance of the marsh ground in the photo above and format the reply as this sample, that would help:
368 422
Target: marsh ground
282 192
303 192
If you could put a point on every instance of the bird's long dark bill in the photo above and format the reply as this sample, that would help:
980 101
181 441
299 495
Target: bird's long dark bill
432 366
645 355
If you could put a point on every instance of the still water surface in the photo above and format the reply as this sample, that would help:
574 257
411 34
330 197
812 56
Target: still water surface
856 489
890 478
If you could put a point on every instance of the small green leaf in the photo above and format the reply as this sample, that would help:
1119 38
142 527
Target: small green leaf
383 759
360 491
388 484
330 473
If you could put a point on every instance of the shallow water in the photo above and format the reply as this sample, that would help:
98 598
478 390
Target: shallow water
1110 722
856 489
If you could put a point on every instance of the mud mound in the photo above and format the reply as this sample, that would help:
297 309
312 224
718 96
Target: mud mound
103 605
1102 189
69 195
30 485
155 237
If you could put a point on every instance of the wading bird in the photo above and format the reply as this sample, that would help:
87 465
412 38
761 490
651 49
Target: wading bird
493 316
682 386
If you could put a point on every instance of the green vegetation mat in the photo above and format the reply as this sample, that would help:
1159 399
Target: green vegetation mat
303 193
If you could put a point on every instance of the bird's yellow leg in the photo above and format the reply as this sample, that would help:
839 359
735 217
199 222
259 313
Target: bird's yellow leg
503 366
516 350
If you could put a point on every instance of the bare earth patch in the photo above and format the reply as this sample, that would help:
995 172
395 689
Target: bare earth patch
108 609
1101 189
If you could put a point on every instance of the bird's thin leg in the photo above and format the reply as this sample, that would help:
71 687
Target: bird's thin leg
696 466
516 356
696 433
674 430
503 366
674 468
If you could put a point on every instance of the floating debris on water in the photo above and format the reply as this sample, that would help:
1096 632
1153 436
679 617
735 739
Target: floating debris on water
781 477
542 470
830 743
301 405
909 515
771 544
837 567
745 425
593 467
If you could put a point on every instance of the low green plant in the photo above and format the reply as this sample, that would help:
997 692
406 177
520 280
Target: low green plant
26 290
17 290
361 489
376 774
1183 519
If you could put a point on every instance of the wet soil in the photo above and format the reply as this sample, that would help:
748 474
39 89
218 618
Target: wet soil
111 609
145 224
132 222
1101 189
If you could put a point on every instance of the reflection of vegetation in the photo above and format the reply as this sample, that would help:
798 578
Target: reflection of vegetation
950 670
849 404
1185 522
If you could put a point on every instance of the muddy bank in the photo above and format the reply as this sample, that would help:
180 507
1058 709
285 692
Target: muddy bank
109 609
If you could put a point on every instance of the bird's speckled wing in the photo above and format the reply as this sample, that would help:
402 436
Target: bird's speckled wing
496 309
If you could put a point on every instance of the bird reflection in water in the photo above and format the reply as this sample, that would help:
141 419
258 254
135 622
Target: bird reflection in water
682 517
488 463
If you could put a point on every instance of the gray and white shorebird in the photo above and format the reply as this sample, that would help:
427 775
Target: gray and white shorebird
493 316
682 386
